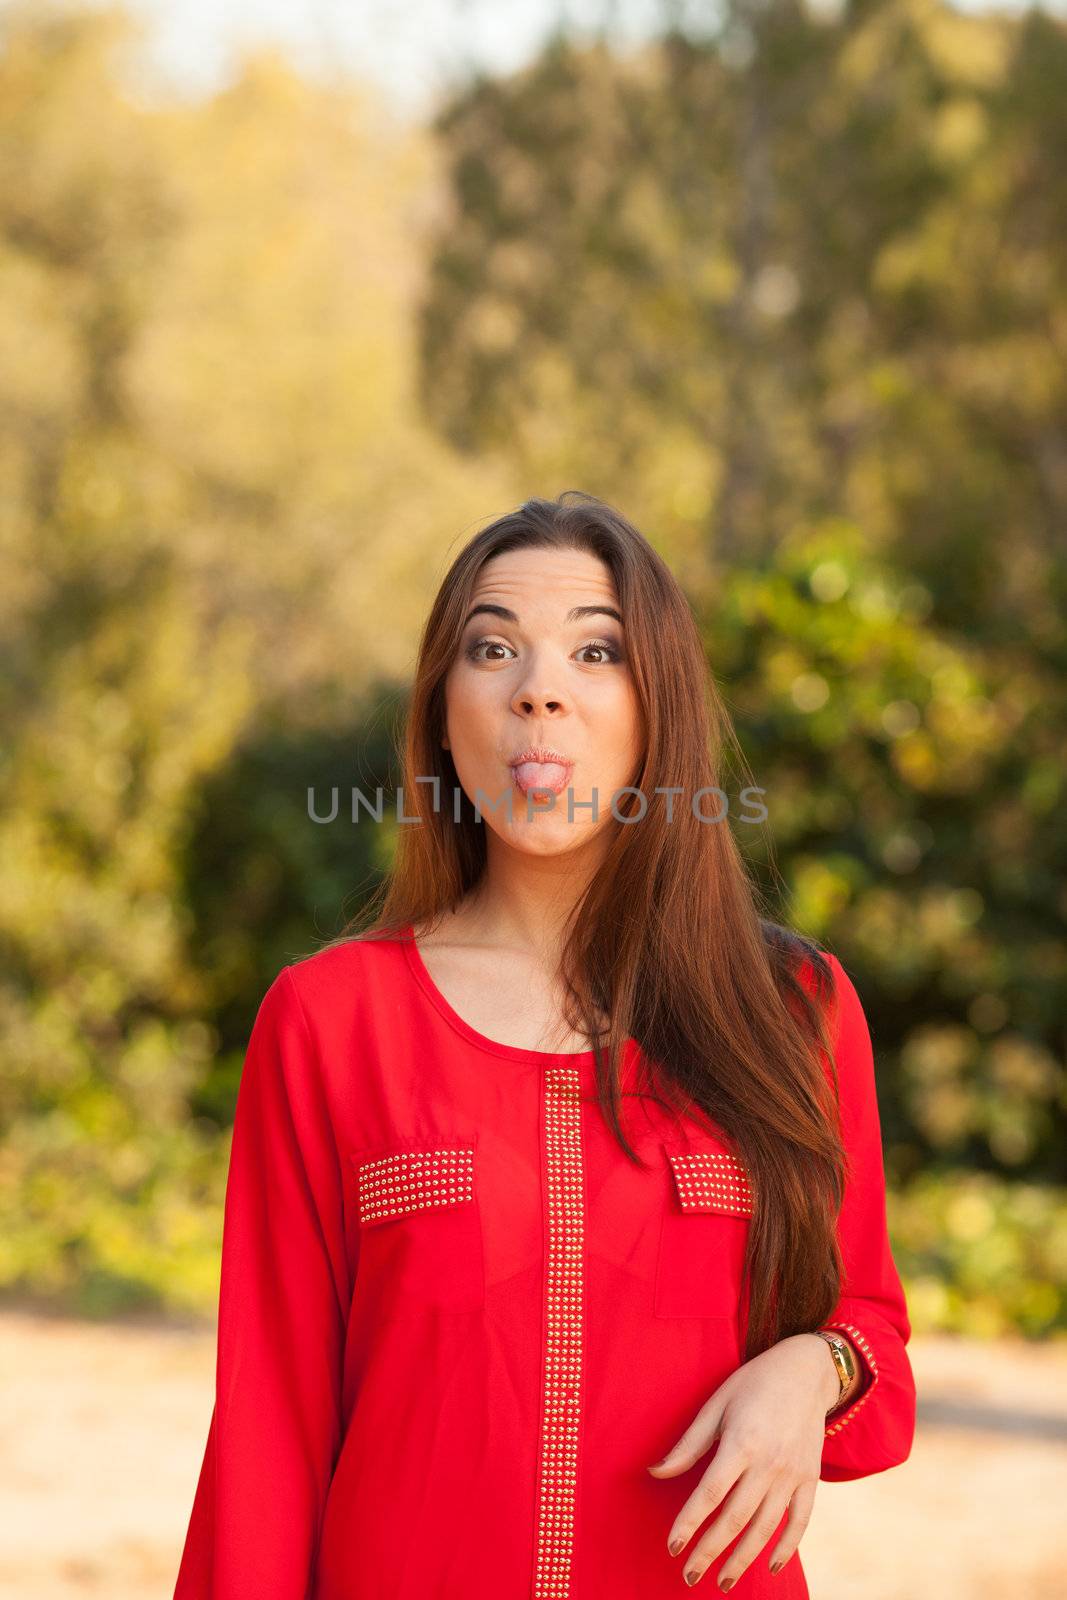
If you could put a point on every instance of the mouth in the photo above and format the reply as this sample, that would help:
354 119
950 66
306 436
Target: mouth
539 768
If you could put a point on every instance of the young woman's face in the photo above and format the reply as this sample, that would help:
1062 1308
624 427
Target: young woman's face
533 681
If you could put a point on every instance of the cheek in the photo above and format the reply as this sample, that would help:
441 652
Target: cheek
470 715
473 727
616 733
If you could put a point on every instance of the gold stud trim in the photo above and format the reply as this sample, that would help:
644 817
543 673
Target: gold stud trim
562 1391
857 1338
414 1180
712 1180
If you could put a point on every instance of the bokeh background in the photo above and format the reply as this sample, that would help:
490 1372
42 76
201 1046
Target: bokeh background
293 299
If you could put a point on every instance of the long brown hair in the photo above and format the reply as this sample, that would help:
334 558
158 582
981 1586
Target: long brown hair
669 940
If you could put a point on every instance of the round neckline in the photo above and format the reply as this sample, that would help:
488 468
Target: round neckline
510 1052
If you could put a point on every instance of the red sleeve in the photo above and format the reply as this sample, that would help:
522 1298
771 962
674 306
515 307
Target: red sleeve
875 1430
275 1426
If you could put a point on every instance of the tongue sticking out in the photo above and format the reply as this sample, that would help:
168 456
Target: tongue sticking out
541 775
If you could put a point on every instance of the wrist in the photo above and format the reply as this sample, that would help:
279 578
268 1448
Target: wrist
832 1394
845 1363
828 1380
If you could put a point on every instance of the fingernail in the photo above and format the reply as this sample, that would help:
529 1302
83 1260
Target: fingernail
655 1464
776 1566
691 1578
675 1545
727 1583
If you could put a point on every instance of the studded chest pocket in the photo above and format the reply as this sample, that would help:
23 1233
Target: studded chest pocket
420 1226
704 1232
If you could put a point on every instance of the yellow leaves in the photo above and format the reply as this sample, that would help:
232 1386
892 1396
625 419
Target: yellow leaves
776 290
819 891
1011 370
494 326
904 930
959 1087
874 600
829 580
1020 1067
690 500
981 1255
934 1062
809 691
969 1216
902 851
968 49
889 380
918 762
960 128
38 352
900 717
960 732
717 276
783 665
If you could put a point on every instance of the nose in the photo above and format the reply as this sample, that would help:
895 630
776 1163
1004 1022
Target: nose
532 702
535 705
535 695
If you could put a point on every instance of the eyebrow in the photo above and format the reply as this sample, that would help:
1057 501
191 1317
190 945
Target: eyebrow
575 614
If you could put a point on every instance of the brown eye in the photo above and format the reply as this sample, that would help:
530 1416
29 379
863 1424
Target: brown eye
605 648
489 644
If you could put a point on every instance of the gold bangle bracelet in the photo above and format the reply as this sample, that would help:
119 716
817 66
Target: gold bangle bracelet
845 1363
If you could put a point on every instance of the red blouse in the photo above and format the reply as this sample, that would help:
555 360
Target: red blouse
456 1323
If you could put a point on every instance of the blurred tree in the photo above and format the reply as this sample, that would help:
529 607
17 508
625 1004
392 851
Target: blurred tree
212 525
911 793
790 292
263 882
799 282
768 273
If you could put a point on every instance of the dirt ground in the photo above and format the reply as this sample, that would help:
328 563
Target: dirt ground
103 1429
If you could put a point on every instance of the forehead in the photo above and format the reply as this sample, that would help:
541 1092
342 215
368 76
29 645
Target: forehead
546 580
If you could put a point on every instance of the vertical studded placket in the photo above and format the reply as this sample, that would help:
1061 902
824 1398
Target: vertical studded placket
562 1355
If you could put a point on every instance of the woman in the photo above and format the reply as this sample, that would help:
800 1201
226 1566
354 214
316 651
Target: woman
549 1268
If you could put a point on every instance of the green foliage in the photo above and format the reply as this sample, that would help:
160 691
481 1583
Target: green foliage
982 1257
204 374
102 1213
297 877
911 785
792 295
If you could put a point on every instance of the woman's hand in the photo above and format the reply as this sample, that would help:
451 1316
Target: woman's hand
769 1417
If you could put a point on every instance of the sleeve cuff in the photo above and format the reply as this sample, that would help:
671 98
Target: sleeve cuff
868 1367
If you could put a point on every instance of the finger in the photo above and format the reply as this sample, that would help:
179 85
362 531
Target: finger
732 1519
800 1508
694 1442
761 1529
707 1496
